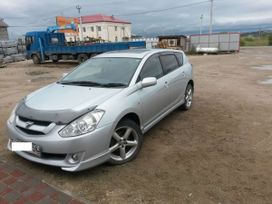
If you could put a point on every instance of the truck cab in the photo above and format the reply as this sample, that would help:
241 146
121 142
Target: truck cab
37 44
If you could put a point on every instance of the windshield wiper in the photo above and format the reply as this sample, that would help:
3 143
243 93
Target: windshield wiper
114 85
81 83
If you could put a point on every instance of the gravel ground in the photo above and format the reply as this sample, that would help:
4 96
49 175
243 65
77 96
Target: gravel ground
218 152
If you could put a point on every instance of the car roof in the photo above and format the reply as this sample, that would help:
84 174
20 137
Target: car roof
133 53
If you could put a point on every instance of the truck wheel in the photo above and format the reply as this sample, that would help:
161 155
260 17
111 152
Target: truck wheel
36 59
82 58
55 60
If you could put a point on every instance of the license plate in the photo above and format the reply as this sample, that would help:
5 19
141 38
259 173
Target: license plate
36 150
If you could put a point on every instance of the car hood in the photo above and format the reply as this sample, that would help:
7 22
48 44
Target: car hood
63 103
56 97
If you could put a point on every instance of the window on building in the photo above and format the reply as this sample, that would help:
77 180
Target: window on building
92 28
98 28
84 29
116 38
115 27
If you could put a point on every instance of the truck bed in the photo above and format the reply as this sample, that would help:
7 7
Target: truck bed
93 48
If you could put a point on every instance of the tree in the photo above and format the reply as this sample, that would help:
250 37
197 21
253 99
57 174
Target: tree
242 42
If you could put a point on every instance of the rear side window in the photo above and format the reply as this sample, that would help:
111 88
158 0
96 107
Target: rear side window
180 58
169 62
152 68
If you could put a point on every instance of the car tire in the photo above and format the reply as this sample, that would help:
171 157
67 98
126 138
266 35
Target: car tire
125 143
188 98
82 58
36 59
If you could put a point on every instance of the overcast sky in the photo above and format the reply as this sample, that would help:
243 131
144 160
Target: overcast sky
37 15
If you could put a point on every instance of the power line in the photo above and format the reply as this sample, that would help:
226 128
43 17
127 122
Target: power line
130 14
165 9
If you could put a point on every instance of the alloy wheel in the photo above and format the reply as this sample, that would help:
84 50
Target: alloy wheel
189 97
124 143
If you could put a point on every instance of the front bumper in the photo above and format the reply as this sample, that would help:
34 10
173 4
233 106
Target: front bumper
92 148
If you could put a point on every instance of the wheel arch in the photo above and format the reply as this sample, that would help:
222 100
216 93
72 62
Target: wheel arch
192 83
133 117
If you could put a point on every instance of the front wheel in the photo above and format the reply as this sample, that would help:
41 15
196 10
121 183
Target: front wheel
188 98
125 143
36 59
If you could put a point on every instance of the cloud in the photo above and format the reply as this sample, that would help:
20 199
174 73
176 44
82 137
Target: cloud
37 15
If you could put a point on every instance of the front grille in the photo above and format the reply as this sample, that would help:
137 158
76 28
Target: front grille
30 132
53 156
36 122
49 156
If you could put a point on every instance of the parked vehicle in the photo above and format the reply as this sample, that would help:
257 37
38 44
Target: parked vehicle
42 46
100 111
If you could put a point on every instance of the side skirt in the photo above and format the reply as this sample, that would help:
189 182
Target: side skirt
154 122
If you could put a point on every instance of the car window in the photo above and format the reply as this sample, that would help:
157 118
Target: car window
105 70
180 58
169 62
152 68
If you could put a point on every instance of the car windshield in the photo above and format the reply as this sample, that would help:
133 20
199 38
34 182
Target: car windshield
104 71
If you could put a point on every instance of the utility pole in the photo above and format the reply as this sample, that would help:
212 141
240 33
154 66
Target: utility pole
201 20
78 7
211 16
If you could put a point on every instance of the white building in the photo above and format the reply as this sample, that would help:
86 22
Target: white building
107 28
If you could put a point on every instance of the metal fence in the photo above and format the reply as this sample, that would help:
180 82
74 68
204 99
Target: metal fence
224 42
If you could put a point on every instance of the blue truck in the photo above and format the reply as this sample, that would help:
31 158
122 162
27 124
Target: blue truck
50 45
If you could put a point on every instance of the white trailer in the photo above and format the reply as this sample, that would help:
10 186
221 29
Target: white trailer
223 42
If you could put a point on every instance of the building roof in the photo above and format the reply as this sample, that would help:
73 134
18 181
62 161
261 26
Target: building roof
2 23
102 18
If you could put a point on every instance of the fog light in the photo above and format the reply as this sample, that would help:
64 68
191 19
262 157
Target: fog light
74 158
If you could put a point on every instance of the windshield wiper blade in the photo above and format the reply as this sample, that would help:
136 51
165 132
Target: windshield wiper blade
114 85
81 83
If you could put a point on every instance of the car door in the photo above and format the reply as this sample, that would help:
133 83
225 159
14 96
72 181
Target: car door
154 99
175 75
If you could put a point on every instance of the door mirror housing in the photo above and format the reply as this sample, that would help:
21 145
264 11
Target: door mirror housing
148 81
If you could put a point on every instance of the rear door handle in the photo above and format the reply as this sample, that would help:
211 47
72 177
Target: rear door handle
166 84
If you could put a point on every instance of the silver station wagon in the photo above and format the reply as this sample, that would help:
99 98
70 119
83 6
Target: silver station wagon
99 112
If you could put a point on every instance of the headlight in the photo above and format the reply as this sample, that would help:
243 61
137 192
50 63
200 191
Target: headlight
12 115
84 124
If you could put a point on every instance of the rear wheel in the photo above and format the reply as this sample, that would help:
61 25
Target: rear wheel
125 143
188 97
36 59
55 58
82 58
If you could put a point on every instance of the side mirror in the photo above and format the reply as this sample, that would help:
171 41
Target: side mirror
149 81
64 75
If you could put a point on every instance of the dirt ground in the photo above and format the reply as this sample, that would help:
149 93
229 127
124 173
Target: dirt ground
218 152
